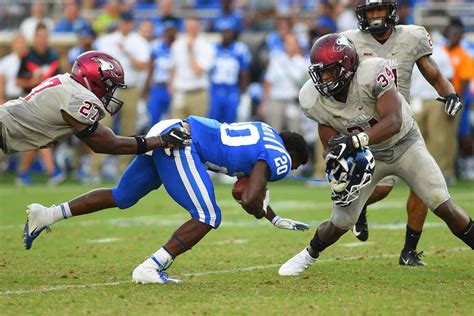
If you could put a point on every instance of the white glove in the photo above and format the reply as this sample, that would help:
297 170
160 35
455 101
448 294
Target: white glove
286 223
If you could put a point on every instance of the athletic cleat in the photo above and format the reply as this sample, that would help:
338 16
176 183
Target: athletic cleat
36 222
361 228
411 258
297 264
146 275
56 178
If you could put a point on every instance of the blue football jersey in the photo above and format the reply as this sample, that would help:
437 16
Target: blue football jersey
161 58
235 148
229 62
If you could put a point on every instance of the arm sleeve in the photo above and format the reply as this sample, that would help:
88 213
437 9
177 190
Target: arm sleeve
384 79
278 161
423 44
83 110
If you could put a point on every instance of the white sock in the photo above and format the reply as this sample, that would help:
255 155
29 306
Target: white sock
160 260
61 212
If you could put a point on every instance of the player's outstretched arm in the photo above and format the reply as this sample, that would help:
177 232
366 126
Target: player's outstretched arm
430 70
102 139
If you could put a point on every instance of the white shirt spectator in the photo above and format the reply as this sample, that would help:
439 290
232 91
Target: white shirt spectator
28 26
118 46
184 77
9 66
347 20
420 88
285 74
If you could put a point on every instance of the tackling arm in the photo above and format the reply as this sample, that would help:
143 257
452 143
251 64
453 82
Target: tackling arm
102 139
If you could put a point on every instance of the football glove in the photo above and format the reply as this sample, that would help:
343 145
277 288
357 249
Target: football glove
340 146
452 104
176 137
286 223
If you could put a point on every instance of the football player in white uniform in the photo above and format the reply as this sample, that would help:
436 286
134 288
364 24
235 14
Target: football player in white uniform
74 103
357 104
403 46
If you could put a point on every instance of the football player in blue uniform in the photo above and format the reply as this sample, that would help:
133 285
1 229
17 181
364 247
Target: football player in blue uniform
230 73
159 99
251 149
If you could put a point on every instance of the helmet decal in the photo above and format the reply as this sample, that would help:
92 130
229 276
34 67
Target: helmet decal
341 43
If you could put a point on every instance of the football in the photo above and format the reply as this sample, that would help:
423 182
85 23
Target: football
239 187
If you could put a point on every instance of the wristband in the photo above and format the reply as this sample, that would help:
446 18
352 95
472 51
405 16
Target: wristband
141 145
360 140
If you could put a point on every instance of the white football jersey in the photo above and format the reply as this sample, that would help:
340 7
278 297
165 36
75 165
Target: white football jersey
371 80
403 48
35 121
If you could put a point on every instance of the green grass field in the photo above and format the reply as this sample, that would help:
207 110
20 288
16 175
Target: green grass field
84 265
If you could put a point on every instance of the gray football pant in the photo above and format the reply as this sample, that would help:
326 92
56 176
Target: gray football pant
416 167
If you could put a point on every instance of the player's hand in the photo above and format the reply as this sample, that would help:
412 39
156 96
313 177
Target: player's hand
176 137
452 104
286 223
340 146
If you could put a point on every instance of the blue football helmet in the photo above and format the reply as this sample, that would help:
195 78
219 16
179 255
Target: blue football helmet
347 175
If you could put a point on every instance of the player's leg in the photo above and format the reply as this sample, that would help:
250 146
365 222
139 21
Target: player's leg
232 105
139 179
417 211
328 232
383 188
186 180
27 159
426 179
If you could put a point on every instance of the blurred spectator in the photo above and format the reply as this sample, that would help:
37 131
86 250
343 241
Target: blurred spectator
109 18
463 73
133 52
437 128
229 13
86 38
9 67
71 22
41 62
146 30
274 40
159 99
165 14
346 18
38 15
404 11
229 74
285 75
192 57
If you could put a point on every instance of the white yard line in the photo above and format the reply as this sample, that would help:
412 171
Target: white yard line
42 289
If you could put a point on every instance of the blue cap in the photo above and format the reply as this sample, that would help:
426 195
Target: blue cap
226 23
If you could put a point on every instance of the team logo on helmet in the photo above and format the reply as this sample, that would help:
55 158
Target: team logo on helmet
341 43
104 65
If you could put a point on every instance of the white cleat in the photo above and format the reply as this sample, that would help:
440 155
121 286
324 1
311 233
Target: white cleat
145 275
37 221
297 264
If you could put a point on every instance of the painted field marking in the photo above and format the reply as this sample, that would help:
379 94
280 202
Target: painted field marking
43 289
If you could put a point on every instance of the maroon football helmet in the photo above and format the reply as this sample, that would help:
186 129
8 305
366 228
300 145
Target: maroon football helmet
336 54
102 75
379 25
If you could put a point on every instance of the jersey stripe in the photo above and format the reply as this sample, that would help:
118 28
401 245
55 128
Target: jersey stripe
202 188
274 141
187 185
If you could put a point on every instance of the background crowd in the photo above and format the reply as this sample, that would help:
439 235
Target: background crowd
227 60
